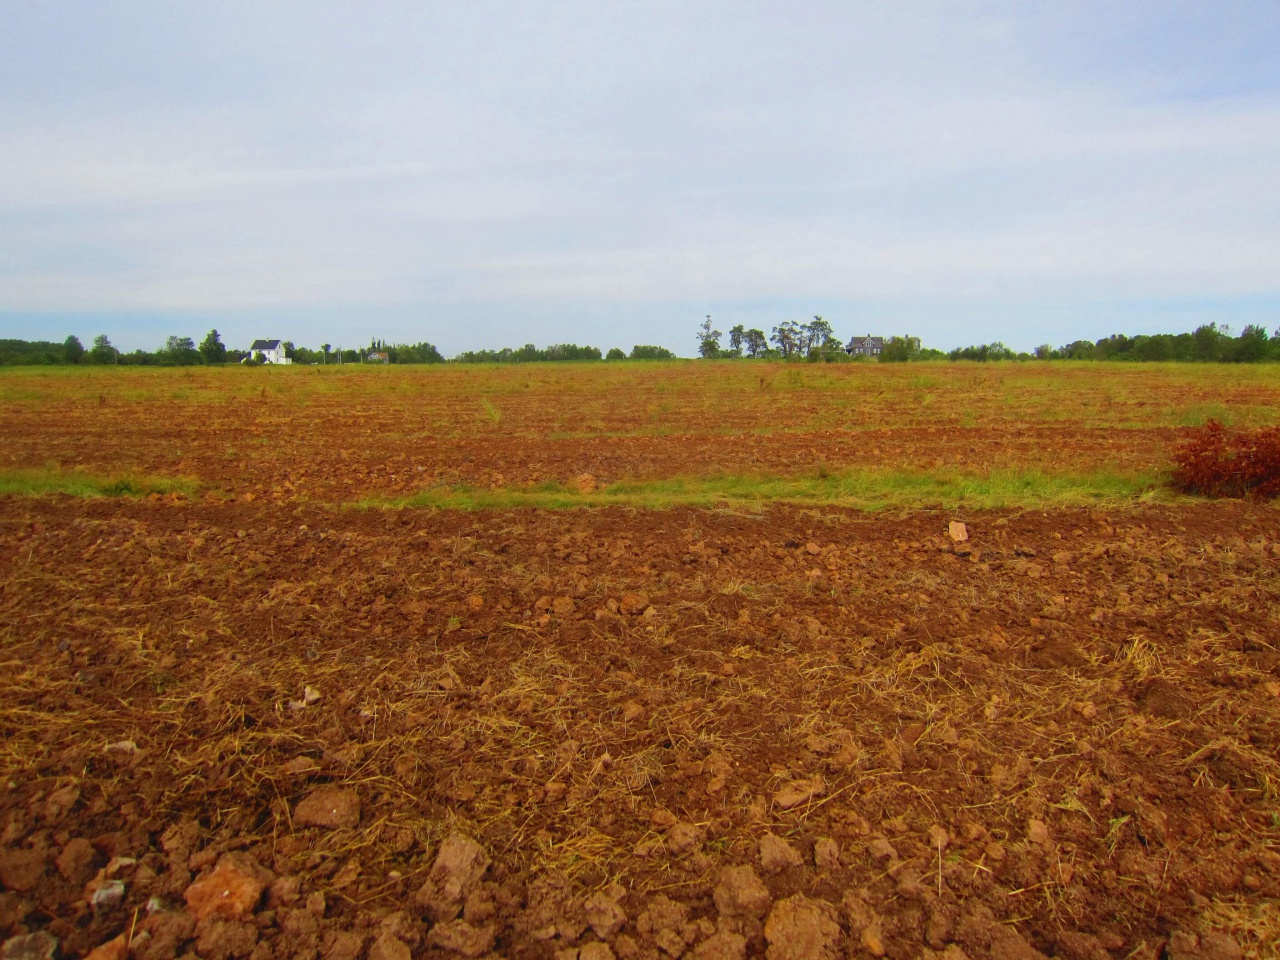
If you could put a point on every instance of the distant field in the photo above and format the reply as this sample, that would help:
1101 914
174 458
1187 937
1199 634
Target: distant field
648 434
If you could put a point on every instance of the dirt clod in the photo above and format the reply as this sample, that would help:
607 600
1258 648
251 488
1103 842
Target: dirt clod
460 937
333 808
40 945
799 928
458 867
231 891
740 893
777 855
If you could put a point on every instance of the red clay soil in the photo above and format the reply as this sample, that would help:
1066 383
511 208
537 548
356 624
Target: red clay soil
246 730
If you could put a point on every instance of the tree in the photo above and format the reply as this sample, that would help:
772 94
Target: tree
736 337
708 340
103 351
787 336
616 353
72 349
755 342
212 348
181 351
649 352
1206 342
325 348
814 334
900 350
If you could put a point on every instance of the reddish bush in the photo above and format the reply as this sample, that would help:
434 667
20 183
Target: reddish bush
1217 462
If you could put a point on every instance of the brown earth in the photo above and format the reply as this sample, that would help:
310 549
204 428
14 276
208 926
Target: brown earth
257 730
331 436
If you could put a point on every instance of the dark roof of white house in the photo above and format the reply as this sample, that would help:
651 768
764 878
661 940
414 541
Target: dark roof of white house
265 345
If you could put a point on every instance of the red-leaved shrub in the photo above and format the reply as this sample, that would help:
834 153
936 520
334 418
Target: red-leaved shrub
1217 462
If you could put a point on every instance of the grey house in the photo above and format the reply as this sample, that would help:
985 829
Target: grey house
867 346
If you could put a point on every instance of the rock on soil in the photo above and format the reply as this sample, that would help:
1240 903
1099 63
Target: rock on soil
799 928
740 893
332 808
31 946
231 891
459 866
724 945
777 855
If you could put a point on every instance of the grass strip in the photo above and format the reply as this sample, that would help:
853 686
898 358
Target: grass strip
79 483
862 489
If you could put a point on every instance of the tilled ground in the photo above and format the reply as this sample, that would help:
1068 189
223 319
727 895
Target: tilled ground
246 730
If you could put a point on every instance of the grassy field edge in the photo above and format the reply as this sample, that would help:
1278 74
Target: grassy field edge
863 490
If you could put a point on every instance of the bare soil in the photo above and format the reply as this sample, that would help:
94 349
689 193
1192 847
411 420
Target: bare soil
287 730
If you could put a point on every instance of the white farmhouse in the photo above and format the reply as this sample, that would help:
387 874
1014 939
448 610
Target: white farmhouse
272 351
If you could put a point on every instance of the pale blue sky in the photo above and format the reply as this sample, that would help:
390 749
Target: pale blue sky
489 174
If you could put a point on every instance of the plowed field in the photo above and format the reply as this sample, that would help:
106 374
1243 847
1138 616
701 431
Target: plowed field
251 720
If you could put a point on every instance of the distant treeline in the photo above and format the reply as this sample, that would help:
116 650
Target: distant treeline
813 343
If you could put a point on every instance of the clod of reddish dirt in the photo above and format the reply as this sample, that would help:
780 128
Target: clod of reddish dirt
957 531
333 808
40 945
460 937
604 914
22 868
799 928
458 867
116 948
231 890
389 947
1187 945
722 945
777 855
740 893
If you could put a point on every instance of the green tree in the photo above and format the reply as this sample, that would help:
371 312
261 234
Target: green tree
900 350
708 340
616 353
212 348
181 351
72 349
737 337
325 347
103 351
755 342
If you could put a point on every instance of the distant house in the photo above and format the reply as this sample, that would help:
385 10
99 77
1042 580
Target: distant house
271 351
377 357
867 346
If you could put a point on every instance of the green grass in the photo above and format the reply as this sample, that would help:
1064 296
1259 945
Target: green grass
862 490
77 483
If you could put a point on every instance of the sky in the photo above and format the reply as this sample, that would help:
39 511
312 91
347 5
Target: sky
485 174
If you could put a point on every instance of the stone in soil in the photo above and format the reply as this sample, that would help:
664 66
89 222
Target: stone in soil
777 855
41 945
458 867
231 891
332 808
740 893
799 928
